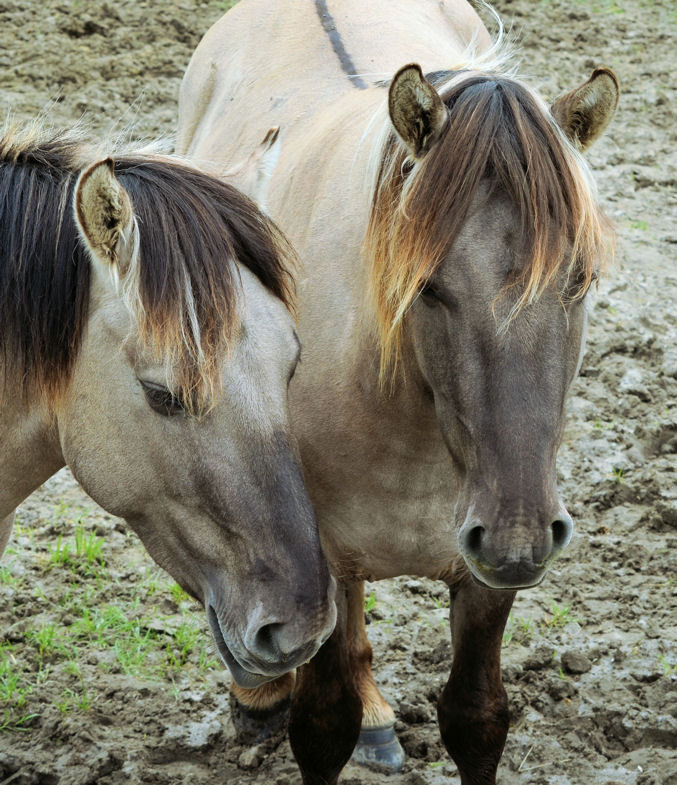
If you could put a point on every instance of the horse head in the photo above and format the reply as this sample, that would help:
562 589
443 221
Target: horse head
490 251
155 331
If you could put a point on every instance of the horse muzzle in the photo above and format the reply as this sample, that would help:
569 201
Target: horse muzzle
268 651
517 554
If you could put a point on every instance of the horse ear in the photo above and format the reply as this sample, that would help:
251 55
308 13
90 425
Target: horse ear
252 176
104 216
416 110
584 113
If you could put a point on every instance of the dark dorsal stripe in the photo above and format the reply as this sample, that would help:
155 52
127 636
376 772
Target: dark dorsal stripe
329 26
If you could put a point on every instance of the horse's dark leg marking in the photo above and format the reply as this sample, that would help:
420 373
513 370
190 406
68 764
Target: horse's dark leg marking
261 713
329 26
473 707
326 710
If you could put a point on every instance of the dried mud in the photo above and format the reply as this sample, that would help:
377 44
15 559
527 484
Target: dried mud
590 657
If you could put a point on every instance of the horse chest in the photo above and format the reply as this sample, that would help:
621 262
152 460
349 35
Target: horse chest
384 512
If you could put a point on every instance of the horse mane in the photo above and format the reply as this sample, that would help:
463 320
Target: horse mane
181 288
499 133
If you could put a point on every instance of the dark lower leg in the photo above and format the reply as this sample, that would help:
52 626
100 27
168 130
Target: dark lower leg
473 708
326 710
261 713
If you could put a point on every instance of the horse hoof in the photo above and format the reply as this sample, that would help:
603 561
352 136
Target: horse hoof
378 748
254 726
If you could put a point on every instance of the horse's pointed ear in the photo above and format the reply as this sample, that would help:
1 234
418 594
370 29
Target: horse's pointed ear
104 216
584 113
252 175
416 110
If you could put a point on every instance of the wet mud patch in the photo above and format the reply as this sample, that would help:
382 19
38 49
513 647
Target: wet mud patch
107 674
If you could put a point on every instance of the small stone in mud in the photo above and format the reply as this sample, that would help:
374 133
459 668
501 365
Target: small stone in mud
575 662
194 735
633 382
414 713
441 653
251 758
646 674
539 659
560 689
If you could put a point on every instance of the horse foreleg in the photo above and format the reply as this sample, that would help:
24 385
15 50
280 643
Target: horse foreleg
326 710
473 708
261 713
377 746
5 531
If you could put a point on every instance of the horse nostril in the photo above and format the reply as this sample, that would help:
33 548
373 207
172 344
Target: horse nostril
265 645
471 541
562 529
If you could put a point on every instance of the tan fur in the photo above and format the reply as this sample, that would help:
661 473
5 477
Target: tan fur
252 175
375 710
268 695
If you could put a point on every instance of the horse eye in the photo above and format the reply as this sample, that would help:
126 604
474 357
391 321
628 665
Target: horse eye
430 296
161 400
577 288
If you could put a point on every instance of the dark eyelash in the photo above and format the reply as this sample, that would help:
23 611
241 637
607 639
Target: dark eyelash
430 295
162 400
577 288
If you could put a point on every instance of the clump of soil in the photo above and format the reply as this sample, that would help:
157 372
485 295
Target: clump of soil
106 675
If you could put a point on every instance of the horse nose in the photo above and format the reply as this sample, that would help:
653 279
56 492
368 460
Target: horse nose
276 644
515 555
292 638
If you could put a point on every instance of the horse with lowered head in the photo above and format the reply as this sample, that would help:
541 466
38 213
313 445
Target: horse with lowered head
146 341
449 232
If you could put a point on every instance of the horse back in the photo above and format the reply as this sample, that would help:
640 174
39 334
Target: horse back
284 62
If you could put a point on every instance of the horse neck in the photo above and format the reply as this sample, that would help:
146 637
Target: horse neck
335 277
29 447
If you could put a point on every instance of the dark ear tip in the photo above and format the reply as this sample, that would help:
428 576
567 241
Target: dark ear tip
408 67
605 71
402 80
403 75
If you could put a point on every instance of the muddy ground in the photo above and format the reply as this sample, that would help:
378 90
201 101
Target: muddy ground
106 674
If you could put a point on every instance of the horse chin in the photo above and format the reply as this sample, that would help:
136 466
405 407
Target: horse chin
241 676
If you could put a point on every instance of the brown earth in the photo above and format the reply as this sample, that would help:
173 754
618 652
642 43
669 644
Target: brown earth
105 672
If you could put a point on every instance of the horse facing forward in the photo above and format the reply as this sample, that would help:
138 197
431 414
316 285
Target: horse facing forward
449 232
146 342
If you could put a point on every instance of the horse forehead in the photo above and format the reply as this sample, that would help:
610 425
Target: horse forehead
488 247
